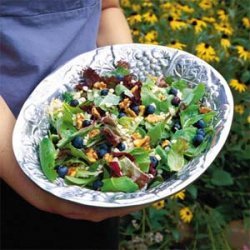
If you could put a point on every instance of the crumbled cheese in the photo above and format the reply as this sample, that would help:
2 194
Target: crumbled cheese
111 90
86 88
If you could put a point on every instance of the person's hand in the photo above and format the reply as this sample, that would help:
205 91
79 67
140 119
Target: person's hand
11 173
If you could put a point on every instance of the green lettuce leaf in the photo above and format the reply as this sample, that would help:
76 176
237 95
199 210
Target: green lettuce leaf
119 184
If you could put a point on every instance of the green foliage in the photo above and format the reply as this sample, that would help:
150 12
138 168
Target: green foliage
222 194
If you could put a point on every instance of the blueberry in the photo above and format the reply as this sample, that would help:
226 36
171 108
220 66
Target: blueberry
104 147
86 123
77 142
121 146
201 132
153 161
173 91
62 171
119 77
121 114
150 109
198 139
135 108
200 124
101 152
74 103
97 184
176 101
177 126
104 91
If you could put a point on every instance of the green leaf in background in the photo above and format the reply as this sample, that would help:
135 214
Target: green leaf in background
141 158
79 181
221 178
47 155
119 184
156 133
175 160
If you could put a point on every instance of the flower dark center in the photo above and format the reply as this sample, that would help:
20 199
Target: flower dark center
194 23
170 18
207 46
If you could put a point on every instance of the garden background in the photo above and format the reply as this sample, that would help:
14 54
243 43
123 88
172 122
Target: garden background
213 212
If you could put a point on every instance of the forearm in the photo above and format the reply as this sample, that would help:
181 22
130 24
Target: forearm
113 27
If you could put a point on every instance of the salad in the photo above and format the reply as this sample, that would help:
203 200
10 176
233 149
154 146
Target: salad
115 133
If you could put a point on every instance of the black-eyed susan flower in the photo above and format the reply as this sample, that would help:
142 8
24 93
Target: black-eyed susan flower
159 204
225 42
198 24
181 195
222 15
125 3
248 119
206 4
147 3
134 18
186 214
177 45
208 19
135 32
239 86
239 108
224 27
246 22
176 24
206 52
185 8
151 36
150 17
243 53
136 7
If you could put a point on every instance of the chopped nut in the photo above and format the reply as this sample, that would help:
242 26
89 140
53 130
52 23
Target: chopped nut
100 85
92 155
94 133
130 112
165 143
136 136
134 89
78 120
204 110
141 109
95 113
144 142
108 157
152 118
125 103
72 171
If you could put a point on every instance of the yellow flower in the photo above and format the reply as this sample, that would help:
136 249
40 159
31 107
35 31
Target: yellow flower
224 28
177 45
239 108
159 204
246 22
206 4
243 53
186 214
125 3
150 36
136 7
185 8
239 86
222 15
135 32
248 119
150 17
176 24
206 52
208 19
225 42
181 195
133 19
197 24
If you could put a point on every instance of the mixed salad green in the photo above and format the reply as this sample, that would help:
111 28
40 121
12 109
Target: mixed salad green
115 133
